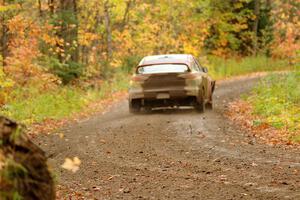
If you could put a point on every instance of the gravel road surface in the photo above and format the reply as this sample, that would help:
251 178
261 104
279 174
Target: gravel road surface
172 154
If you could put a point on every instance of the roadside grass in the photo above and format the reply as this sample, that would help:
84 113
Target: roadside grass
277 101
221 68
37 107
30 105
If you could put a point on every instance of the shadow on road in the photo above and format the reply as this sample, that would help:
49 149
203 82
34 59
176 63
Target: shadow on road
168 111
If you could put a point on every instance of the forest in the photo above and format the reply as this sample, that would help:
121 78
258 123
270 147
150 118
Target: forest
68 53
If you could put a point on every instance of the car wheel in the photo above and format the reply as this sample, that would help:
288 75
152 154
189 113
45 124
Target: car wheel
200 104
134 107
209 106
148 109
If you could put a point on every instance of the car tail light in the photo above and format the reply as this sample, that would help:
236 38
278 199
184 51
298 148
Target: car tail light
189 76
138 78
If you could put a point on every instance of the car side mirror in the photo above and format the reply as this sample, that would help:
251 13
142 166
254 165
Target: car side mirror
205 69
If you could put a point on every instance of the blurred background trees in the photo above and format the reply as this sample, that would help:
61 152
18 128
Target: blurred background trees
64 40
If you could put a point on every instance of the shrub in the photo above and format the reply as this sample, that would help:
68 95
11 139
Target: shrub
66 71
129 63
5 87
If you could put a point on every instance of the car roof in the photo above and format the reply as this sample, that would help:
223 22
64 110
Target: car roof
167 58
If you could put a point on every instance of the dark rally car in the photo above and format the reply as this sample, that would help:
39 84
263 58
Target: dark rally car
169 81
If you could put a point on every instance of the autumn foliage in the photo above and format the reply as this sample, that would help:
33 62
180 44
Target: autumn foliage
286 29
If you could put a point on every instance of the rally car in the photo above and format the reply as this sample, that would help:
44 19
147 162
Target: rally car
170 81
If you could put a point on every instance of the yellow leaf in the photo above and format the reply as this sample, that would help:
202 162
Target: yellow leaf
71 165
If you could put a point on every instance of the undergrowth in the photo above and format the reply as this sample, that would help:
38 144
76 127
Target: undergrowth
277 100
28 104
222 68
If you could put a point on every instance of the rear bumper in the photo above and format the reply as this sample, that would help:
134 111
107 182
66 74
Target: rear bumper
173 93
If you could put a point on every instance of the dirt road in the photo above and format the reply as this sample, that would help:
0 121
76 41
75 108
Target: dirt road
173 154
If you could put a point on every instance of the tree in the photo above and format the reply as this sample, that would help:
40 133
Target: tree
255 25
8 9
286 15
68 22
239 27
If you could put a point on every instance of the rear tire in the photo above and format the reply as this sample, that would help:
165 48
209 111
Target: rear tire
200 105
134 106
148 109
209 106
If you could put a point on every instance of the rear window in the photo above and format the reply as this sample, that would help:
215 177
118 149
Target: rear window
162 68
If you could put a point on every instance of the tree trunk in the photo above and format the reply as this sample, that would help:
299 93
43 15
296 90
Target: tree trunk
4 37
255 25
51 6
40 8
107 23
75 55
125 20
69 29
